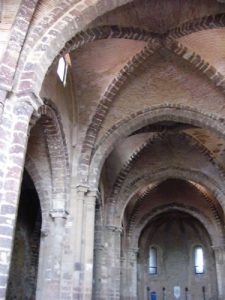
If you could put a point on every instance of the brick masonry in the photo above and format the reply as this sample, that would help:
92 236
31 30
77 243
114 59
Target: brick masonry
149 143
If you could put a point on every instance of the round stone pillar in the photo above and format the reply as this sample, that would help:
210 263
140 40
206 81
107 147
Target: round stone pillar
50 263
86 279
77 210
129 290
113 254
84 226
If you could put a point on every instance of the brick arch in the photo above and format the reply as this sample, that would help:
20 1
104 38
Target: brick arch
66 22
114 87
64 13
108 98
134 234
197 62
205 23
114 32
126 168
141 181
107 32
116 199
58 155
14 46
212 203
134 33
168 112
71 19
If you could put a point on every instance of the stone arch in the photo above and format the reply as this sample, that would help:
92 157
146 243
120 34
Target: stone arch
176 113
58 155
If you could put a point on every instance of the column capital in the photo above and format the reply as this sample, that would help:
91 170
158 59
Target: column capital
218 247
31 98
114 228
81 188
92 193
44 232
58 213
25 106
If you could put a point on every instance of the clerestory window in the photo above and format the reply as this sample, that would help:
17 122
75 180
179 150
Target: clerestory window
62 70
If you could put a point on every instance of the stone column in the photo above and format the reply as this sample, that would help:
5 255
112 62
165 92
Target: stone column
77 211
14 131
112 250
86 278
99 273
123 263
51 258
220 270
129 291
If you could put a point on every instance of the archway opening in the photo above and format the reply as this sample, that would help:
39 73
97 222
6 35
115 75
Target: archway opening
24 263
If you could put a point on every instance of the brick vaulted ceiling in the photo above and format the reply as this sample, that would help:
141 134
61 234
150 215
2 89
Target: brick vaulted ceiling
140 118
140 56
163 76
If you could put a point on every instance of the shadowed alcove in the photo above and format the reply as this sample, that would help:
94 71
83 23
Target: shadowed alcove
24 264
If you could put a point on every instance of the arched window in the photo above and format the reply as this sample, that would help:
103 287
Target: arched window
199 260
62 70
153 260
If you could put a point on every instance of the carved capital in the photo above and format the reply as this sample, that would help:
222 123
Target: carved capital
58 213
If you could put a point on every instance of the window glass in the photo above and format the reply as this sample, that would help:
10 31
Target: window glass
153 260
199 260
62 70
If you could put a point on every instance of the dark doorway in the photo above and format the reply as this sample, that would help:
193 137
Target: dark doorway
24 263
